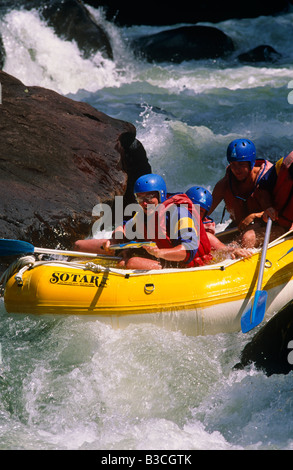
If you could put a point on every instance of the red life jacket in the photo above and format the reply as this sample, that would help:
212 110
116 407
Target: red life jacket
163 240
283 191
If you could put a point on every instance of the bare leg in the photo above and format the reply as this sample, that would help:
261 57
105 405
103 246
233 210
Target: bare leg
137 262
253 238
249 239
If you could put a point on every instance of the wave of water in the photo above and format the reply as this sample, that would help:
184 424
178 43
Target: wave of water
73 383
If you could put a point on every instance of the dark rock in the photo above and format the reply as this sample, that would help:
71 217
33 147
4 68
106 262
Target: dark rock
185 43
135 163
72 20
269 349
262 53
2 54
58 159
151 13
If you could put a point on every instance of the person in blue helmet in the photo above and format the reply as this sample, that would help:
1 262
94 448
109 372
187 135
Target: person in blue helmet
170 222
240 189
156 190
203 197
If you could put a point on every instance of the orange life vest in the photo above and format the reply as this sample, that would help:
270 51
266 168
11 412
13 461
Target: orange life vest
283 191
238 207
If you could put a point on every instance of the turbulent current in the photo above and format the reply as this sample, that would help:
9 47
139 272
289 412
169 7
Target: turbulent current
74 383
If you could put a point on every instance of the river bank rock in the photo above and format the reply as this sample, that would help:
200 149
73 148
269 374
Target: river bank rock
58 159
271 348
185 43
2 54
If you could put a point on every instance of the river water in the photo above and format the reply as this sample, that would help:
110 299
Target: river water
74 383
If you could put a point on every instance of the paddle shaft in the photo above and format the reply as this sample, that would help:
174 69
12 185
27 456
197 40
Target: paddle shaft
264 254
254 315
48 251
228 231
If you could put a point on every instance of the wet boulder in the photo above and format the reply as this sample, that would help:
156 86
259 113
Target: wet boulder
184 43
2 54
263 53
271 349
71 20
58 159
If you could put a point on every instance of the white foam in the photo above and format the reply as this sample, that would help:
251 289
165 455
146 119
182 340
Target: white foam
37 56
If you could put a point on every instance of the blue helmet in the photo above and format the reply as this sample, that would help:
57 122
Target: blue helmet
201 196
150 183
241 150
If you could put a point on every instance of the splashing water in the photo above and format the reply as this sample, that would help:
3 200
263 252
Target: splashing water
74 383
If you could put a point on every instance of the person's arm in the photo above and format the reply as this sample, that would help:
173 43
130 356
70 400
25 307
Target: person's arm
266 188
177 253
264 200
250 219
218 194
183 234
118 235
270 212
233 249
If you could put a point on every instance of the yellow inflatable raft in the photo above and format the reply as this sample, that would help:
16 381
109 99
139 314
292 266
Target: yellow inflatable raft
198 301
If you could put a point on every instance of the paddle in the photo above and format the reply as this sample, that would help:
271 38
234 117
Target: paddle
228 231
255 314
132 244
289 251
10 247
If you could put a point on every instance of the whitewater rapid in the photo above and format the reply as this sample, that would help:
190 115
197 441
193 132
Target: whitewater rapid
73 383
